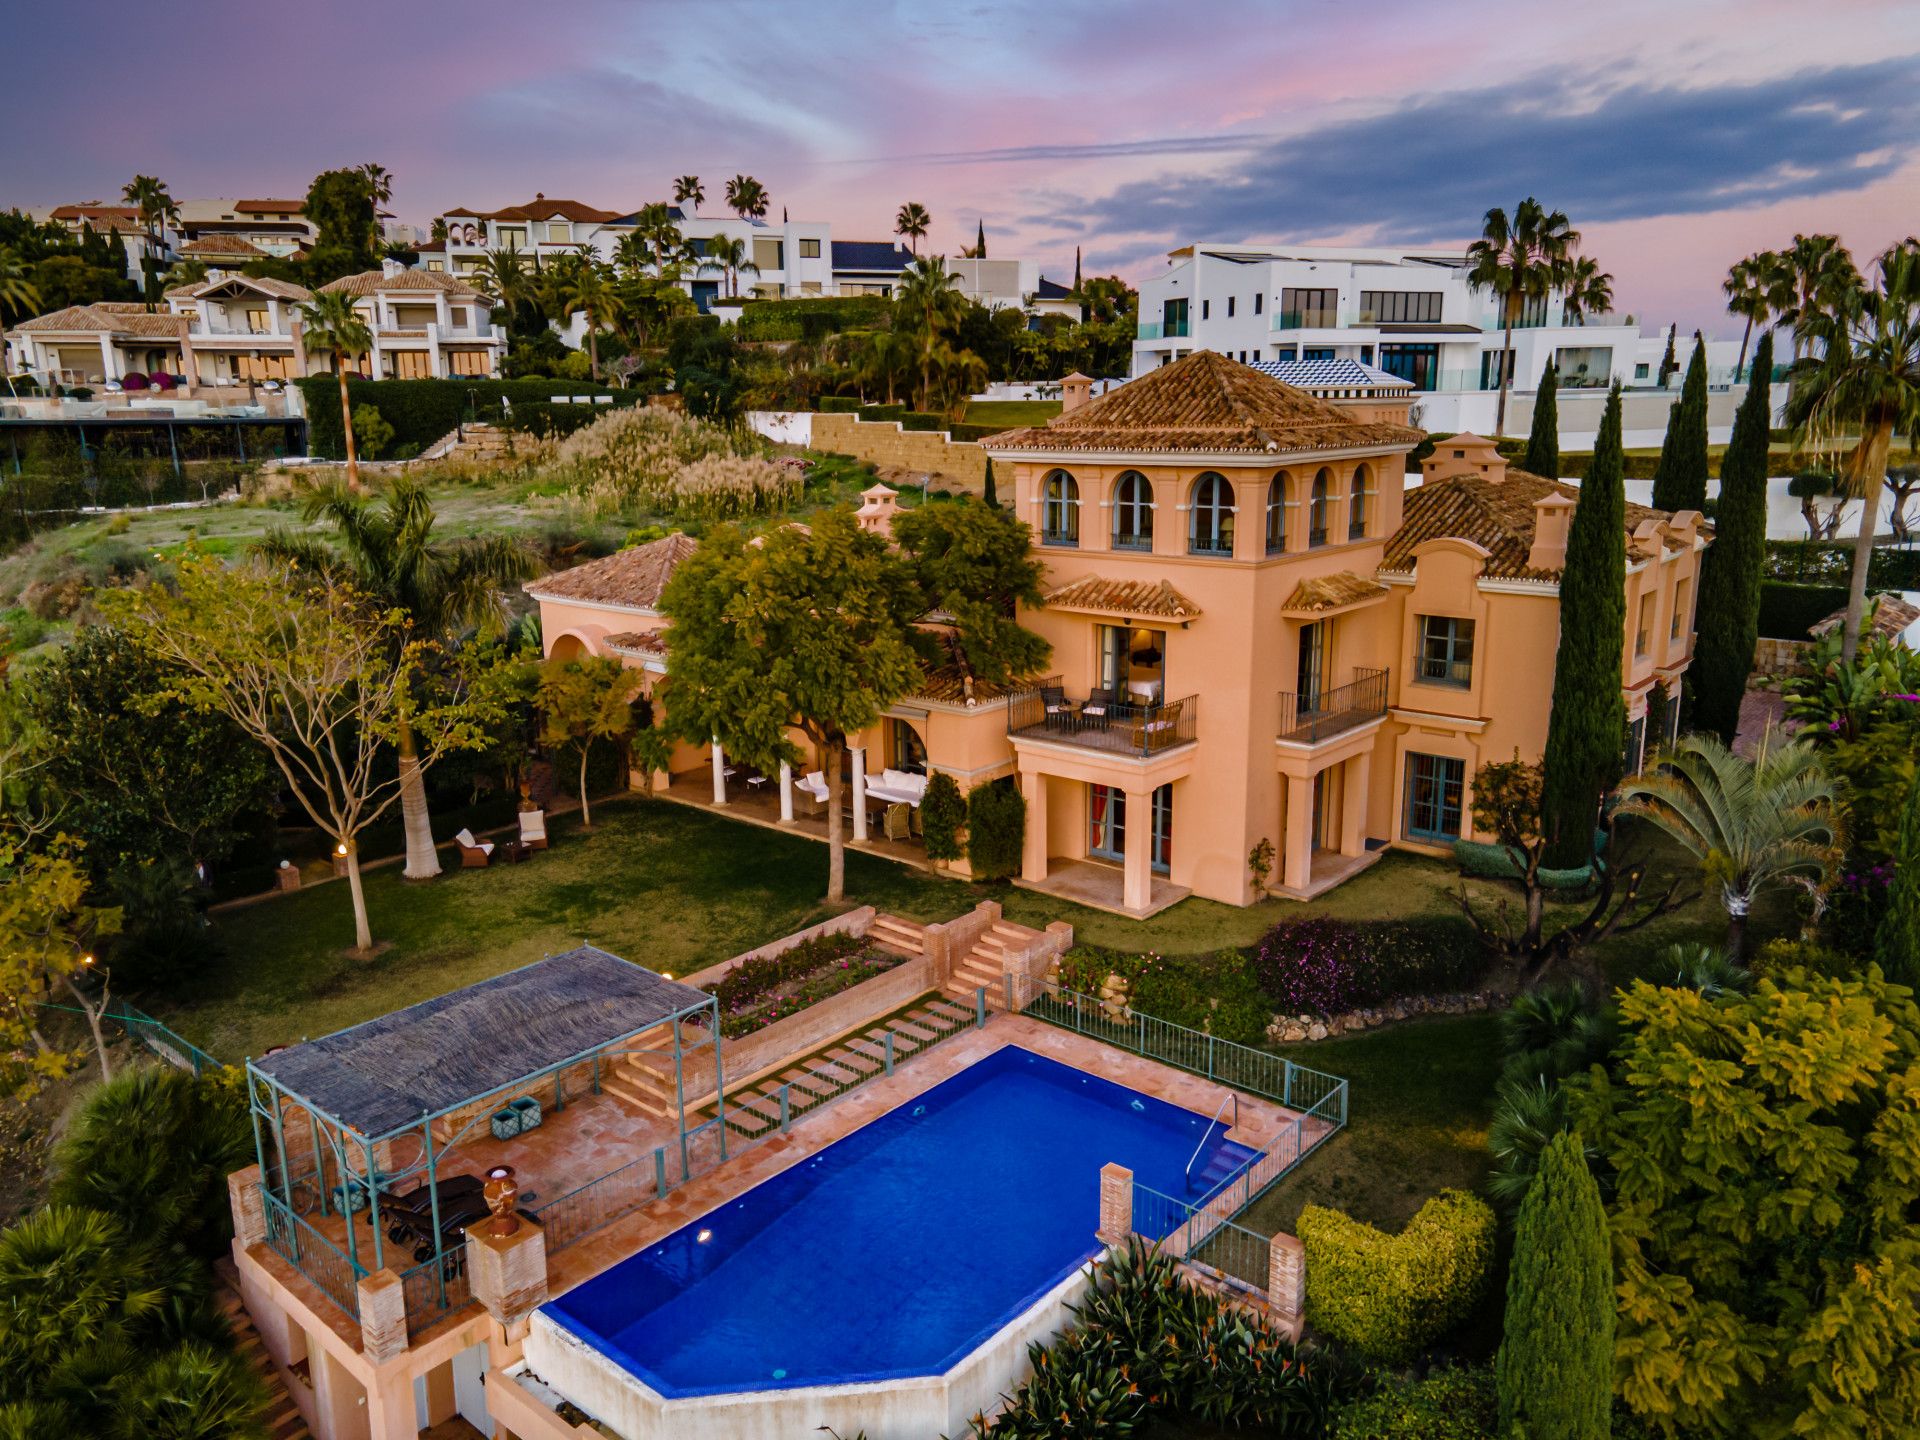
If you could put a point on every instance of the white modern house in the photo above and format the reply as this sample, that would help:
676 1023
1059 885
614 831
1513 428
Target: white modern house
1410 313
122 222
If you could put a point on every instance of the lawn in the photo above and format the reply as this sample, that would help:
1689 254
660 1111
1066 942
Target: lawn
1011 413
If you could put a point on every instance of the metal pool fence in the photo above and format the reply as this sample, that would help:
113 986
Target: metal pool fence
1240 1066
1201 1236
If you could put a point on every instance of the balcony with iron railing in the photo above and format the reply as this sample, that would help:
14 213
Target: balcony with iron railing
1308 719
1043 711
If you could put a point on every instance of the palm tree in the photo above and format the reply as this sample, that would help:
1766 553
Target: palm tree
881 357
929 297
912 222
687 190
589 290
388 552
1867 375
70 1278
380 190
19 296
501 276
747 197
194 1391
729 254
1589 291
150 199
330 325
656 232
1519 260
1816 276
1752 289
1752 824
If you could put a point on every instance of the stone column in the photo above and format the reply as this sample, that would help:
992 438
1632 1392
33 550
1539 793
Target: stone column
1116 1204
859 754
109 359
719 774
1296 862
1137 884
786 793
1033 787
383 1316
508 1273
249 1209
1287 1276
1353 804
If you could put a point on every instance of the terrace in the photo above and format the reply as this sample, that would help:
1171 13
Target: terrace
1101 721
1311 717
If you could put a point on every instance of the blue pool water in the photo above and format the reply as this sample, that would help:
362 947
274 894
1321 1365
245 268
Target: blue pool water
895 1251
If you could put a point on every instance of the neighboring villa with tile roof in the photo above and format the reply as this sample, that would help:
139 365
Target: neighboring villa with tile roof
235 329
1259 632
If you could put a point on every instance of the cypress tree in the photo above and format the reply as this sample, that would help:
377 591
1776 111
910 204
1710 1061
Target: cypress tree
1680 482
1076 269
1554 1373
1731 573
1589 718
1896 943
980 241
992 499
1543 441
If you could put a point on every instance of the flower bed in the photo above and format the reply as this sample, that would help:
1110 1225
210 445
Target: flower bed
761 991
1325 966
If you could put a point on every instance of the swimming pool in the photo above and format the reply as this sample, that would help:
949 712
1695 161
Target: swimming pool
898 1250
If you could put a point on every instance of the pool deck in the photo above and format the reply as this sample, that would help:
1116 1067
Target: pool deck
1261 1123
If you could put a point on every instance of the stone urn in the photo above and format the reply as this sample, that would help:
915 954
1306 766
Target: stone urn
500 1192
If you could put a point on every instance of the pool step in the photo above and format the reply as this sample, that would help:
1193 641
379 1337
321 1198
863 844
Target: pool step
1223 1163
903 937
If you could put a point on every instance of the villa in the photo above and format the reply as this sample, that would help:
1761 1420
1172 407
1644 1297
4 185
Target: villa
1260 634
235 329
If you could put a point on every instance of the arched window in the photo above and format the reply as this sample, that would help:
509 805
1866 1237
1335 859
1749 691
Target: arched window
1059 509
1133 512
1212 530
1319 508
1277 513
1360 504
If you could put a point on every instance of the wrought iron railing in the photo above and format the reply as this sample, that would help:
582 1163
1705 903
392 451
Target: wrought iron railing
1440 670
334 1273
434 1288
1123 727
1308 719
1201 1237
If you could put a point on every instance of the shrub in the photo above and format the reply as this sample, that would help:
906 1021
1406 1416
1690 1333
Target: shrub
1322 965
1450 1404
754 980
1218 995
996 830
553 421
838 404
1788 611
921 420
372 435
943 811
1391 1296
658 460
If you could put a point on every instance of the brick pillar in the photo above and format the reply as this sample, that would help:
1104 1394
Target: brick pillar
383 1316
508 1273
1287 1276
249 1210
937 946
1116 1204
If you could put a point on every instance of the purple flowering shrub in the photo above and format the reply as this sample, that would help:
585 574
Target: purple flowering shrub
771 987
1326 966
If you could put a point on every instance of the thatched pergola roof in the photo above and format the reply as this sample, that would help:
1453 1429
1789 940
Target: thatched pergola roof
385 1075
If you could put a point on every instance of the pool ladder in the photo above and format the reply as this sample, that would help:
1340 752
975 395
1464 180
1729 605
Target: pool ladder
1233 1099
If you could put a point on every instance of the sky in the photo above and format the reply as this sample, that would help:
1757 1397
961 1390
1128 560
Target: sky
1677 135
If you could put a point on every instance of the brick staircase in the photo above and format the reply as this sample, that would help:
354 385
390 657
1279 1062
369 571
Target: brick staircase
986 963
644 1082
902 937
284 1421
480 440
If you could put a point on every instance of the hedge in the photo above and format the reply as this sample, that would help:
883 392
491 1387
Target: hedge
1787 612
421 411
1830 562
1389 1297
810 318
1324 965
1450 1404
839 405
881 412
921 420
1496 862
539 418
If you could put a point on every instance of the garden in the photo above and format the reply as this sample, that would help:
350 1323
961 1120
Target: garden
760 991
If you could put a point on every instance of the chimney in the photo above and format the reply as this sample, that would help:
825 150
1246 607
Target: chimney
1075 390
1464 454
1552 518
390 267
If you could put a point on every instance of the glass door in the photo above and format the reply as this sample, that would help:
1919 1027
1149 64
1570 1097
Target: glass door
1106 822
1313 664
1163 829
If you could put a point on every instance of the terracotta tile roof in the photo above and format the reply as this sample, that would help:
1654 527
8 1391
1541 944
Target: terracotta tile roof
1892 616
269 207
633 578
222 245
951 685
278 289
1124 597
1496 515
541 208
639 642
374 282
1208 404
106 319
1332 592
112 214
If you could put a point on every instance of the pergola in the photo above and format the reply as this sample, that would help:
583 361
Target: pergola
456 1058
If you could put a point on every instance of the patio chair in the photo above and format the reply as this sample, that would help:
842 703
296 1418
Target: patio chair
474 854
414 1210
899 821
1054 700
1094 711
533 829
813 785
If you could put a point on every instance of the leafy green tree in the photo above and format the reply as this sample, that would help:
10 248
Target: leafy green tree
140 776
1753 825
1754 292
371 431
47 936
944 813
1589 716
996 829
806 631
688 191
19 296
977 567
1555 1368
929 304
1518 260
989 497
1680 480
388 552
590 291
1896 941
331 326
1760 1154
340 206
581 701
1734 564
1543 440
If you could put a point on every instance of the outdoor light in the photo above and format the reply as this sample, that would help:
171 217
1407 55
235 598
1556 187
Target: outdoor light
86 959
704 1236
666 974
340 849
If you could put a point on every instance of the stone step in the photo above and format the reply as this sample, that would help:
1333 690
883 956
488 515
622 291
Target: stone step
645 1101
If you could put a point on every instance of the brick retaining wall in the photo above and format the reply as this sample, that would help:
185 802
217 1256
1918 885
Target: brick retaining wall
960 463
